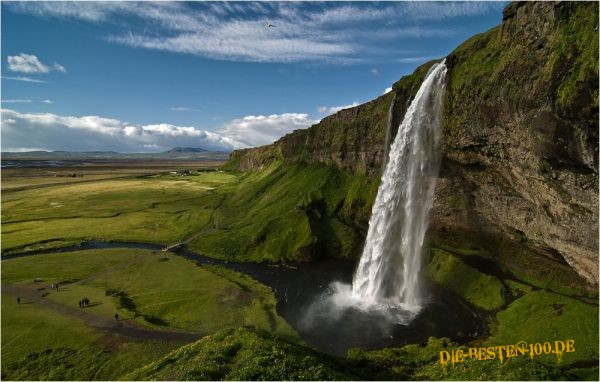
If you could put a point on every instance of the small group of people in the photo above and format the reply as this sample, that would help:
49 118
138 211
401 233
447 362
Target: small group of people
83 303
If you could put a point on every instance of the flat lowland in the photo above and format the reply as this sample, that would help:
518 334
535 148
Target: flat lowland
26 174
159 208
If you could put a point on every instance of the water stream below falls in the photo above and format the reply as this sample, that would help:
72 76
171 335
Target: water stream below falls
298 285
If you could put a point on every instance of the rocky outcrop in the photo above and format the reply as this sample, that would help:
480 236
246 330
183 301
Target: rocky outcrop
520 140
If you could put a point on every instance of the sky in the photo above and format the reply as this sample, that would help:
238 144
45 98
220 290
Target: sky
149 76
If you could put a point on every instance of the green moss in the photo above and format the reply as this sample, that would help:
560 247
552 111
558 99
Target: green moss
422 362
481 290
542 316
242 354
576 55
516 288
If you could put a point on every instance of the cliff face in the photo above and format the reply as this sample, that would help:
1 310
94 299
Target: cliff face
520 136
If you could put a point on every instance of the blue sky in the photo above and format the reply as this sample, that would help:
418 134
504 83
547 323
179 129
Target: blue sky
147 76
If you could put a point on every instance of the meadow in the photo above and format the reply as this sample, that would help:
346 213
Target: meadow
151 291
165 301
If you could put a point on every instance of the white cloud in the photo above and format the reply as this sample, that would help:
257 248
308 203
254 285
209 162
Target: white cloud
59 68
323 32
98 133
183 108
86 133
16 101
387 90
256 130
24 101
23 149
412 60
334 109
375 72
435 10
245 41
29 63
25 79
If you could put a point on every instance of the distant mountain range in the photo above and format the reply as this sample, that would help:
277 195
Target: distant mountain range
174 153
186 150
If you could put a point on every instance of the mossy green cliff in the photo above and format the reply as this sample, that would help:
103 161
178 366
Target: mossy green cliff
520 145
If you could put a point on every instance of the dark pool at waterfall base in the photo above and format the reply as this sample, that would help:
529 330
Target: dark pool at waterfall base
302 291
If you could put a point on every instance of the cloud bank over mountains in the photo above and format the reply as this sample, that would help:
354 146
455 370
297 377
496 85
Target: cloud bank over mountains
87 133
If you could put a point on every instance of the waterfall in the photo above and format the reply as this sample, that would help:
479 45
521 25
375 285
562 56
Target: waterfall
388 132
389 271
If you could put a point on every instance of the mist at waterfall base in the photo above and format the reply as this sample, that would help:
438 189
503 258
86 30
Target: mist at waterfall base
387 292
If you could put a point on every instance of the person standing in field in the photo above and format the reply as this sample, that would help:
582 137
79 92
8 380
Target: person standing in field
117 316
18 300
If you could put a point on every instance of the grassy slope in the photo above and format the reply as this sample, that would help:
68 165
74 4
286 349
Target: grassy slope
484 291
40 344
288 212
242 354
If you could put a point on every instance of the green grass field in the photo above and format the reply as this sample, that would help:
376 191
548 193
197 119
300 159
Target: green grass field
41 344
159 210
162 292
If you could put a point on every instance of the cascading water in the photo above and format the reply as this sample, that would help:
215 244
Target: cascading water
379 307
388 132
388 274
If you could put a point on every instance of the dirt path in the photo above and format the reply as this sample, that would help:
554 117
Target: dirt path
212 228
126 328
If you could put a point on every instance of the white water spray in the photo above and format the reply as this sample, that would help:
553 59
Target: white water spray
388 274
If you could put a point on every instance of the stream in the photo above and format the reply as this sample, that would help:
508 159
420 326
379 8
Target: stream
301 291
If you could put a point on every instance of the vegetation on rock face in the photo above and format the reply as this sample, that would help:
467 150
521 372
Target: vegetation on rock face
296 212
483 291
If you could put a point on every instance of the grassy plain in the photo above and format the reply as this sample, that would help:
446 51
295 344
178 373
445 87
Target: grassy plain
78 171
161 209
40 344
